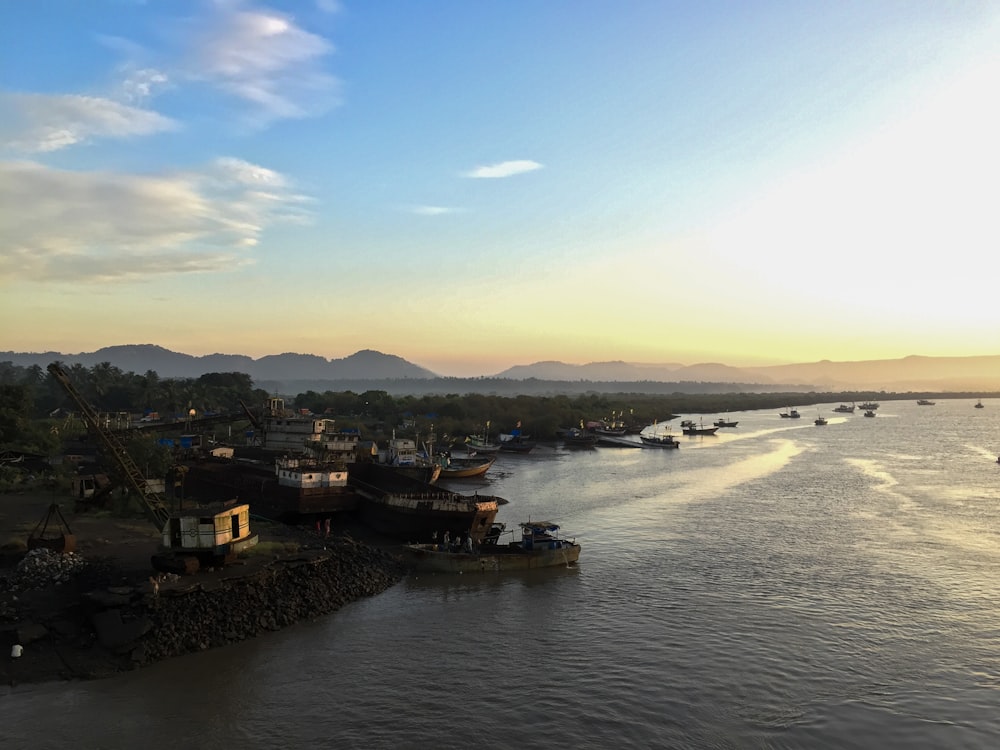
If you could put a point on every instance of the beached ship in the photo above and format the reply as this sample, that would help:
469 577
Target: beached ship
285 488
540 546
403 508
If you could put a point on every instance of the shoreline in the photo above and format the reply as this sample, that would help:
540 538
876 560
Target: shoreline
99 611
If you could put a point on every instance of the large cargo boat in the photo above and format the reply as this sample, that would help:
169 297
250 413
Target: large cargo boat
281 488
395 505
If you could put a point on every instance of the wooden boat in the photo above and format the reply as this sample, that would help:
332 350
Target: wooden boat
515 443
401 454
724 423
691 429
462 468
577 438
481 443
540 546
659 441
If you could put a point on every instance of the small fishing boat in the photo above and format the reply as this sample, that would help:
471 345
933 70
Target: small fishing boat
724 423
820 421
457 467
979 404
700 429
577 438
659 441
845 409
790 414
870 413
540 546
924 402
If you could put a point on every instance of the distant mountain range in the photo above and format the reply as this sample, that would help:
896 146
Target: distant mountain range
290 372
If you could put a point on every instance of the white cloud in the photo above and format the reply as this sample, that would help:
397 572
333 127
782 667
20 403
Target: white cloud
97 226
504 169
264 58
38 123
432 210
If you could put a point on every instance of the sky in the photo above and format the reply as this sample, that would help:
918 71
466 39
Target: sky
477 185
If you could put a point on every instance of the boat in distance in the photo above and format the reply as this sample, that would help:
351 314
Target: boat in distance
924 402
845 409
790 414
540 546
659 441
724 423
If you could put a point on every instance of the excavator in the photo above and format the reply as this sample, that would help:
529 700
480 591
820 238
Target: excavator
190 537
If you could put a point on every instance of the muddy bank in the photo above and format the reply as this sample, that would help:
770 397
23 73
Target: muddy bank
99 618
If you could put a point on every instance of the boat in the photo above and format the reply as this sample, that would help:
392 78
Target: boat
577 438
540 546
870 413
870 405
614 441
790 414
457 467
283 488
701 429
481 443
925 402
820 421
516 443
413 511
401 454
613 428
724 423
660 441
979 404
845 409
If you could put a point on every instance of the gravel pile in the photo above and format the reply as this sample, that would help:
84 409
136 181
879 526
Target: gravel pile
42 567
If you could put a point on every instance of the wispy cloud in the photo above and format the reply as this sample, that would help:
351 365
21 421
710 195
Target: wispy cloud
261 57
38 123
504 169
432 210
100 226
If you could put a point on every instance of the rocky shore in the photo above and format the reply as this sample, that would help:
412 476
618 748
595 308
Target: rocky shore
64 616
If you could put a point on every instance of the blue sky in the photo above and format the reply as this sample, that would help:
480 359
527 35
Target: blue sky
473 185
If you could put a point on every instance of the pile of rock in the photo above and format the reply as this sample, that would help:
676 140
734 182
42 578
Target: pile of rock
41 568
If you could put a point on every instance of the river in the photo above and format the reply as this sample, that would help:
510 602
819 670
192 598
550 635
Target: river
778 585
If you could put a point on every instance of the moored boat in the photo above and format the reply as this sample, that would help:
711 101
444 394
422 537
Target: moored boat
414 511
724 423
453 467
481 443
577 438
540 546
701 429
660 441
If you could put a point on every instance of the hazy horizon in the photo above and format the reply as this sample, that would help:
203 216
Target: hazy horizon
475 186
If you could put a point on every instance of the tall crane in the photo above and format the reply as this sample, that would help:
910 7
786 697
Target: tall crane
217 535
154 503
